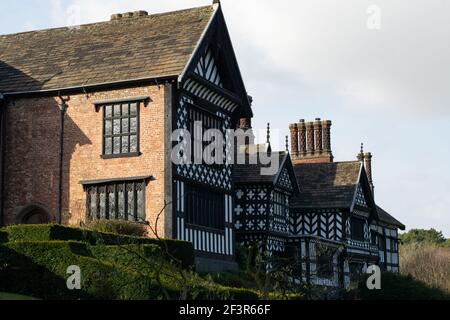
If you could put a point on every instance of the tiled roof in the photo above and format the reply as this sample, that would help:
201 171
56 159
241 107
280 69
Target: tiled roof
388 219
326 185
251 173
114 51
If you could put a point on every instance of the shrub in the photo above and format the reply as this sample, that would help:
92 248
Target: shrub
3 237
126 228
400 287
236 279
181 251
427 263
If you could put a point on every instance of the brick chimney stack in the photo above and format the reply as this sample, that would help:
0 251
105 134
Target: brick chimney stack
302 138
368 166
318 135
311 142
293 128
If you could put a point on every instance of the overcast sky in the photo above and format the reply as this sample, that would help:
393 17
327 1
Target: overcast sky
380 70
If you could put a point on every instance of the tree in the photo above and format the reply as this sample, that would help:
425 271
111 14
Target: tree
423 236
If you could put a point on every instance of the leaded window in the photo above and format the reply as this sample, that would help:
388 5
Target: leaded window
358 226
205 207
325 268
121 129
281 202
117 201
208 121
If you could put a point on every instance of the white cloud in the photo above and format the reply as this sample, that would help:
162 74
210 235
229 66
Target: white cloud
405 64
312 58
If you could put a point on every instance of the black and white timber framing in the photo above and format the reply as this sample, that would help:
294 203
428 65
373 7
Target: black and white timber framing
211 90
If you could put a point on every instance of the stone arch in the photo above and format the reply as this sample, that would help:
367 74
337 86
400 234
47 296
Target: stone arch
34 214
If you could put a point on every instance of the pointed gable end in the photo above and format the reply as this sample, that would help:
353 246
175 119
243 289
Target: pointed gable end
363 199
212 73
285 179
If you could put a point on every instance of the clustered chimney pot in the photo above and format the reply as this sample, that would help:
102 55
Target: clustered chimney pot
311 141
135 14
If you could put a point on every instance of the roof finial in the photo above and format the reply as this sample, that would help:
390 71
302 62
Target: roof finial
269 147
361 153
216 1
287 144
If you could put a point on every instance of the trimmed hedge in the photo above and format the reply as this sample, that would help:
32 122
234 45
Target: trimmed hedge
181 251
39 269
121 227
107 272
400 287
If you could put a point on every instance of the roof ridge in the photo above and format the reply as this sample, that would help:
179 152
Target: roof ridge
327 163
106 21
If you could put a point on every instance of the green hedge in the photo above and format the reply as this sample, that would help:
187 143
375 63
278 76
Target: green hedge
180 250
400 287
39 269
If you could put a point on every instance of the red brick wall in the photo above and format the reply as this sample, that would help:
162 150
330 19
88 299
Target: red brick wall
32 153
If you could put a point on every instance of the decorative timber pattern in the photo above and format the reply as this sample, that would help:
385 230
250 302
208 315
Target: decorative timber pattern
205 239
360 198
218 177
325 224
285 181
207 68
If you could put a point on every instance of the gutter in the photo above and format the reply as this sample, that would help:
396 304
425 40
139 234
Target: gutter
95 86
63 109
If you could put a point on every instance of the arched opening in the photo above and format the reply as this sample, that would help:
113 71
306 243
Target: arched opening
34 214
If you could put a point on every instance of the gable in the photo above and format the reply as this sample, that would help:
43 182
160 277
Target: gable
286 177
207 68
213 72
363 202
361 198
284 180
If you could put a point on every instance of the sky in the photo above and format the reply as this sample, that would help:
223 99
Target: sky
379 69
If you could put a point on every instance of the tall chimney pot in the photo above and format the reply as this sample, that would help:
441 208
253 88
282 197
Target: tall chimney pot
368 166
294 140
318 135
310 146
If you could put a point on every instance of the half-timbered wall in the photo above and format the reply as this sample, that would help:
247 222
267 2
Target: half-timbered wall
205 240
262 215
391 253
253 208
197 95
326 224
309 250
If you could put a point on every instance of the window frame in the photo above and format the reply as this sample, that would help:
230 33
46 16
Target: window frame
139 101
198 195
325 265
98 188
196 109
361 222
